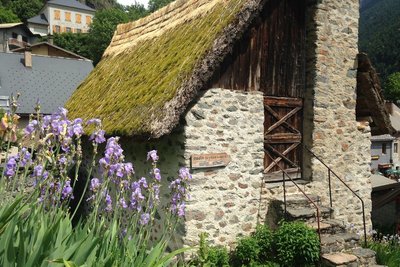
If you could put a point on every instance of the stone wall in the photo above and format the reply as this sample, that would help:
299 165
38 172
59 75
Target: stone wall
330 121
225 201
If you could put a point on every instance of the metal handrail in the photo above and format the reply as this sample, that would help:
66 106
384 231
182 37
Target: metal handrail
348 187
284 173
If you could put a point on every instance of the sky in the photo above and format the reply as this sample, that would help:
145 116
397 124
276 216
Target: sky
131 2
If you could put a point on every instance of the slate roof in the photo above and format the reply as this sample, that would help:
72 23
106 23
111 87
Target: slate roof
154 67
51 80
71 3
39 19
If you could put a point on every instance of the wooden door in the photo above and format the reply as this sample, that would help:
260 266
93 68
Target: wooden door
282 135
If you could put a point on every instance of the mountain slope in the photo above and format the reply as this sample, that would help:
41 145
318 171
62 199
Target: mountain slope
379 35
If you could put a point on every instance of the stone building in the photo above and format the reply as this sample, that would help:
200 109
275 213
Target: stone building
235 89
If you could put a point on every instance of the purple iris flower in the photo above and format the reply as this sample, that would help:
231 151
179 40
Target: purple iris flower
108 203
67 191
30 128
144 218
152 155
123 203
25 157
94 184
157 174
94 121
11 167
98 136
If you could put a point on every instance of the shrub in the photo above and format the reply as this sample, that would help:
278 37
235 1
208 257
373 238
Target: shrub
210 256
247 250
264 239
296 244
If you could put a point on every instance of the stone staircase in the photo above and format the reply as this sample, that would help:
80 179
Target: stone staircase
339 247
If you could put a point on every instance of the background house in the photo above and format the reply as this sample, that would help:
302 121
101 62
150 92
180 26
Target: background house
249 83
15 35
59 16
48 49
382 151
49 80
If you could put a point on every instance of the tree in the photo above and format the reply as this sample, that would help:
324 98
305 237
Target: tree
7 16
136 11
74 42
157 4
392 87
102 29
25 9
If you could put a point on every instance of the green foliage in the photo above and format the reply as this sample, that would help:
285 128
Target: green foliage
296 244
264 238
74 42
387 250
247 250
157 4
210 256
379 35
25 9
136 11
7 16
392 86
102 29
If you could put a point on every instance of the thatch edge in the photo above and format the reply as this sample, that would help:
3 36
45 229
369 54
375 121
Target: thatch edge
205 69
368 86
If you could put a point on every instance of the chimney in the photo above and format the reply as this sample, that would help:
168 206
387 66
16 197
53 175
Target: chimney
50 39
28 58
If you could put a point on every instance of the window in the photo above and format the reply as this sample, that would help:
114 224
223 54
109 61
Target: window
88 20
56 14
78 18
56 28
67 16
78 30
383 148
68 29
396 148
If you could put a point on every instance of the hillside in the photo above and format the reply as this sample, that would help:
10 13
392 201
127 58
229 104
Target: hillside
379 34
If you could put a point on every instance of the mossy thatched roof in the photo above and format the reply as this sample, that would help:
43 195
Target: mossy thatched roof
155 66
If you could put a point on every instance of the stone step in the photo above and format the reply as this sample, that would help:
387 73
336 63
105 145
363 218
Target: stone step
361 257
306 213
339 259
331 243
301 200
366 257
328 226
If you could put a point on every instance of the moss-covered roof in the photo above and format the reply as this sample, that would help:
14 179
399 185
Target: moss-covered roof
154 67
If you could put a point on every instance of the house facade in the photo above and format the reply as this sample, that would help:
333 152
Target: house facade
15 35
249 83
58 16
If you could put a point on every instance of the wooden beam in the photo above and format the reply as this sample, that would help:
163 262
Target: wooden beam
283 138
281 156
283 101
282 120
